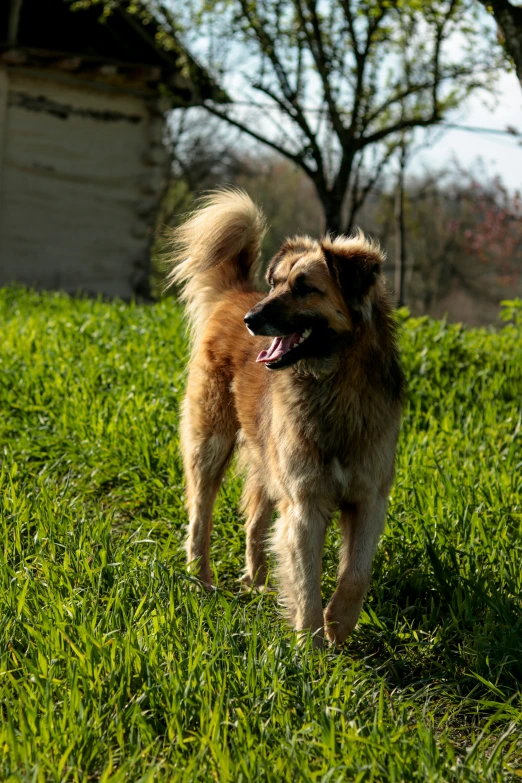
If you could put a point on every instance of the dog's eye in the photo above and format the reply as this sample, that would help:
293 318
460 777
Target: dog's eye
301 288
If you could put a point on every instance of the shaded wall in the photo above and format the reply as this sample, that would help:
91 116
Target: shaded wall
80 172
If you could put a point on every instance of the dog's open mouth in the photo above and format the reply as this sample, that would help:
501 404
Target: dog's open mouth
278 353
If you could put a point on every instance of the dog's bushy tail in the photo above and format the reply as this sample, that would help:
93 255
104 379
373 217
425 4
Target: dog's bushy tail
216 249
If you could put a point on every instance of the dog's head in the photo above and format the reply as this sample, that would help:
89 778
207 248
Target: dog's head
319 293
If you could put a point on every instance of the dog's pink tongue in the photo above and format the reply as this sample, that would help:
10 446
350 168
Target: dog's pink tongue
279 347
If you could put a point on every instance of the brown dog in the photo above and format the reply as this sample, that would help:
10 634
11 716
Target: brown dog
318 431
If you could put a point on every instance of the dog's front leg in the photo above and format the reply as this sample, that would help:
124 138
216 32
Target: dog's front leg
361 527
298 545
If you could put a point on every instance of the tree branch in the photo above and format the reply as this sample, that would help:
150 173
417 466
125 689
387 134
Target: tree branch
361 59
314 147
413 89
406 124
284 109
358 200
348 15
315 44
297 158
292 107
439 38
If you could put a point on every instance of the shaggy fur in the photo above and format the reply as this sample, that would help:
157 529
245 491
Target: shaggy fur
315 417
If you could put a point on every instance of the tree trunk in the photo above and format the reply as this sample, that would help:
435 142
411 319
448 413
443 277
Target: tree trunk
509 19
400 251
332 210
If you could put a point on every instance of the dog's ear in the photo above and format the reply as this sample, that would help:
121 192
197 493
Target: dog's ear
355 265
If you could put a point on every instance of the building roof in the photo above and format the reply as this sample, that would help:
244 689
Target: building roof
128 46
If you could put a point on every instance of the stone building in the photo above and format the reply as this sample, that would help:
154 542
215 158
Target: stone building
82 160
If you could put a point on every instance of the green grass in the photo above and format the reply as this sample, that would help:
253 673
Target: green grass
115 666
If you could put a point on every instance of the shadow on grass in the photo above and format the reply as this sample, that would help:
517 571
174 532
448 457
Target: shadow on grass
428 624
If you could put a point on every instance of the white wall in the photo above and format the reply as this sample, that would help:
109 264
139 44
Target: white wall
71 188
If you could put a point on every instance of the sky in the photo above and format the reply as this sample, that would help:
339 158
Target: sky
501 155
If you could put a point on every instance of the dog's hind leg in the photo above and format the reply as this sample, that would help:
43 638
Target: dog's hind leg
204 469
361 526
207 435
258 510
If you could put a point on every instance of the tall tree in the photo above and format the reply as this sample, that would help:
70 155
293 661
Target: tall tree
509 20
333 84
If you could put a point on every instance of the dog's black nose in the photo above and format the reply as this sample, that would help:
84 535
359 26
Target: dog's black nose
254 322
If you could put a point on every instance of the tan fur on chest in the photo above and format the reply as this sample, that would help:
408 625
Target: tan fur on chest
322 450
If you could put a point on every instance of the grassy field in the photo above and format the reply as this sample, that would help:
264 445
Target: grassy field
115 666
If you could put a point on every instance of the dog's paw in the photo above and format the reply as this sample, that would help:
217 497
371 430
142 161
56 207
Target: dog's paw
341 615
337 629
315 639
259 584
203 579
